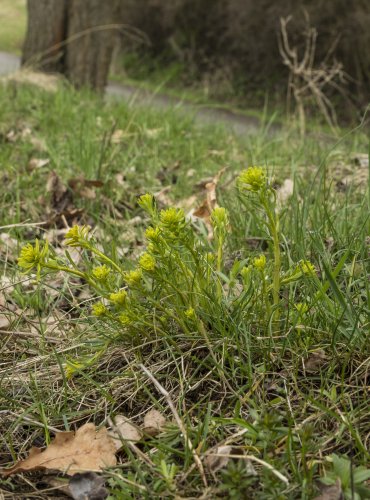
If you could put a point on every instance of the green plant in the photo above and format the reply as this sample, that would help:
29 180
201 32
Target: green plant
180 278
351 478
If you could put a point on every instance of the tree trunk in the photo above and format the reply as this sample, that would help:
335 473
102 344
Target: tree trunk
46 30
72 37
91 40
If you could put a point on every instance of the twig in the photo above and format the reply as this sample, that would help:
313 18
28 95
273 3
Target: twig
179 422
255 459
130 444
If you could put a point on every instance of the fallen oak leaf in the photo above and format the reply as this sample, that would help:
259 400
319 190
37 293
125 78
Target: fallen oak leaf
124 430
219 458
154 423
315 361
84 450
36 163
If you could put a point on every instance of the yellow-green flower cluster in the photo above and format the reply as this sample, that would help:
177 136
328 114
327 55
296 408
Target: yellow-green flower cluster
101 273
153 234
147 262
302 308
172 220
118 298
190 313
260 262
245 273
147 203
306 267
99 309
133 277
33 256
219 217
77 236
125 319
252 179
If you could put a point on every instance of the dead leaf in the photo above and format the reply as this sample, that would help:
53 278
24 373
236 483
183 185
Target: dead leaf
210 203
154 423
36 163
87 486
83 187
38 143
84 450
118 136
315 361
360 159
162 197
60 198
120 180
219 458
124 430
332 492
284 192
5 322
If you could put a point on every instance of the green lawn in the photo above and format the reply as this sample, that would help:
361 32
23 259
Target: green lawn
286 391
13 25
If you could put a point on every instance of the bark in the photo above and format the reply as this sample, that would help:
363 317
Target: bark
72 37
91 39
46 30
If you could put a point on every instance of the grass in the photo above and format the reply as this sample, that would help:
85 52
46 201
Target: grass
13 26
288 401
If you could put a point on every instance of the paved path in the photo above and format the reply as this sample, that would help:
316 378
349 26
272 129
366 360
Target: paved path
240 124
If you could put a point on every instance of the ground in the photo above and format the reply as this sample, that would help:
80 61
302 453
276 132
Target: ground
222 383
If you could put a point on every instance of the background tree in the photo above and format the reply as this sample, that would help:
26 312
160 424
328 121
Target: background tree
72 37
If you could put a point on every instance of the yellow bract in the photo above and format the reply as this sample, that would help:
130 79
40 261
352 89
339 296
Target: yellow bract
77 235
252 179
118 298
147 262
33 255
101 273
99 309
260 262
133 277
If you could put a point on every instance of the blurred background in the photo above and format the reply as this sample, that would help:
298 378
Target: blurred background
301 56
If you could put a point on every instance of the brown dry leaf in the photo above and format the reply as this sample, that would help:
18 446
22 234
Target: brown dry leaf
8 244
83 187
219 458
36 163
38 143
315 361
162 197
284 192
332 492
124 430
84 450
60 198
5 322
118 136
210 203
154 423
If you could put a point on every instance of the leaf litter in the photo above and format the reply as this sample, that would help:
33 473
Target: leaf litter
88 449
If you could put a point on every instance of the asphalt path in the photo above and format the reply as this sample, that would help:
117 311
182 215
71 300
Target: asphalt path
238 123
